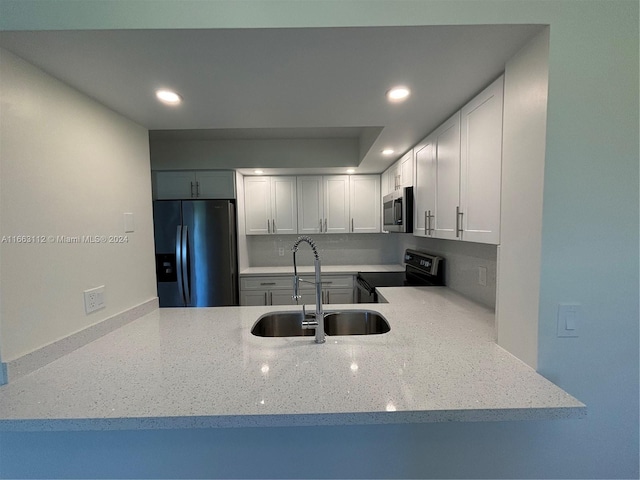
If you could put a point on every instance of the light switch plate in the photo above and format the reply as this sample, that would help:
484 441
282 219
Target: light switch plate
128 223
569 319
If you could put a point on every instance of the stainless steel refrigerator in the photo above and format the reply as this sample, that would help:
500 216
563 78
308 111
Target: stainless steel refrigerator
196 262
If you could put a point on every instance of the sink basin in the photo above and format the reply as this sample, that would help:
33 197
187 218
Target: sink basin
350 322
355 322
281 324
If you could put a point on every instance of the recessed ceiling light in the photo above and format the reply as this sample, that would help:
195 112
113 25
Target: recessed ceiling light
398 94
169 97
258 172
387 151
351 170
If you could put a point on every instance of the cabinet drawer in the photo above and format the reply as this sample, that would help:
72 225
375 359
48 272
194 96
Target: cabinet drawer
266 283
337 281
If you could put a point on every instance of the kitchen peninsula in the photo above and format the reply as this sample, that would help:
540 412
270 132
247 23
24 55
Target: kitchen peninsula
202 368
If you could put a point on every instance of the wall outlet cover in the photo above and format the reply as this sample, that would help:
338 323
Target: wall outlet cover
94 299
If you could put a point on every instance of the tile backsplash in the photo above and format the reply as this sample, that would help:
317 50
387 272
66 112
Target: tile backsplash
463 259
351 249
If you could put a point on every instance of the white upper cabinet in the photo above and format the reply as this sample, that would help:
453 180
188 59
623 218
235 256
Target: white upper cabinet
458 173
310 205
323 204
405 170
336 203
201 184
398 175
481 165
447 160
270 205
365 203
424 209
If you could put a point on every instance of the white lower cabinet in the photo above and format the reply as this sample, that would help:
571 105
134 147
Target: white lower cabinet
278 290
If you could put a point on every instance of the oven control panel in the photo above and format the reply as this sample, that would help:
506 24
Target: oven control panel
426 262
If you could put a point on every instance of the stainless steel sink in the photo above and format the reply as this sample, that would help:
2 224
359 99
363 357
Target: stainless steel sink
355 322
281 324
350 322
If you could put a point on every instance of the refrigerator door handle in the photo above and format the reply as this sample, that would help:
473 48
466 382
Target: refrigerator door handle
185 265
179 261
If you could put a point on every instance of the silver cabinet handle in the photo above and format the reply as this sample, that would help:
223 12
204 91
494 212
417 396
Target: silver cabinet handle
320 225
274 225
270 298
325 226
328 296
268 226
267 283
191 190
352 229
426 223
197 189
265 298
458 222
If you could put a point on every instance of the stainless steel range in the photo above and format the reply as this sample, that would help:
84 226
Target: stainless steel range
421 270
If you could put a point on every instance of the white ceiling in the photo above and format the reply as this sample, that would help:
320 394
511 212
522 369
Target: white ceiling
280 83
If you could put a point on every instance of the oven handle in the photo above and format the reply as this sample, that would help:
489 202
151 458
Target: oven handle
364 284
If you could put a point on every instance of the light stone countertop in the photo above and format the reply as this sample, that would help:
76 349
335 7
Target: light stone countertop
202 368
326 269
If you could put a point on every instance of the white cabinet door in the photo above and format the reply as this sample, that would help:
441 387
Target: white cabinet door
253 298
310 205
270 205
384 182
200 184
405 170
284 214
336 204
425 188
364 203
257 205
447 138
215 184
174 185
481 165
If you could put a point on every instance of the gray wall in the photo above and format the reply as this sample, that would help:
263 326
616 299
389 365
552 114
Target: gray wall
70 167
590 212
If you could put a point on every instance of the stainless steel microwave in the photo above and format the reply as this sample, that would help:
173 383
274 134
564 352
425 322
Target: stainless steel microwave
397 211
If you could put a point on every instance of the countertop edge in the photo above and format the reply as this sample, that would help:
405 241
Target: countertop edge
326 270
296 420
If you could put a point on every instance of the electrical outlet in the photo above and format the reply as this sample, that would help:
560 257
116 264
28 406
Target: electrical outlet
482 276
94 299
281 251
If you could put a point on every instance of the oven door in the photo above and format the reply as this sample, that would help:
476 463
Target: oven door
365 293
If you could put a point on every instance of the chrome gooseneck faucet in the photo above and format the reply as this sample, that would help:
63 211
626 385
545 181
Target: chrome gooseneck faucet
318 322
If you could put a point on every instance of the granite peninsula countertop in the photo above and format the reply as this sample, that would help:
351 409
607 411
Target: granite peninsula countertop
202 368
